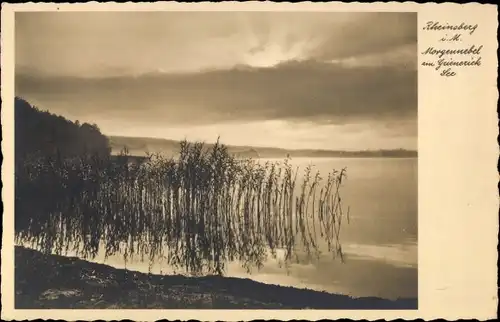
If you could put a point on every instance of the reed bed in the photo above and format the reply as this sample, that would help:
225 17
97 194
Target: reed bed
198 211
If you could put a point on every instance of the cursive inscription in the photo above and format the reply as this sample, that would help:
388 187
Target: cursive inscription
452 50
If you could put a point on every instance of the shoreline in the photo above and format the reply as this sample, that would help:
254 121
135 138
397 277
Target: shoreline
57 282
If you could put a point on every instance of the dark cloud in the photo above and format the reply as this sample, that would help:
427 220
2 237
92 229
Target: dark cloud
310 91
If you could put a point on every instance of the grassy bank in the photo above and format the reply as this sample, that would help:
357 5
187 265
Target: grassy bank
56 282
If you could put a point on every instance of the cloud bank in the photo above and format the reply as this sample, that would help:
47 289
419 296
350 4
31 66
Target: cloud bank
193 69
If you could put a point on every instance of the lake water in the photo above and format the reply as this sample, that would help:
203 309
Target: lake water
380 241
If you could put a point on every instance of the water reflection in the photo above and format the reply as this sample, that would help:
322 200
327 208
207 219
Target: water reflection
196 213
379 244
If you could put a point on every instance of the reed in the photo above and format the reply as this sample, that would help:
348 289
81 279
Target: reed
199 211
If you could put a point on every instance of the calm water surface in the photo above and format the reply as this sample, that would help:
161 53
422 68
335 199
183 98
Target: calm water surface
380 242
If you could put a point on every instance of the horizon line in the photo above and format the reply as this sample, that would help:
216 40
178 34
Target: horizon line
261 147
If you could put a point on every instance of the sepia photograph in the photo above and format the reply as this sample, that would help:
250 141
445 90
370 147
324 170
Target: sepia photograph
249 160
216 160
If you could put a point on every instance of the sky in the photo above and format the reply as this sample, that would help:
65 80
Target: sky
322 80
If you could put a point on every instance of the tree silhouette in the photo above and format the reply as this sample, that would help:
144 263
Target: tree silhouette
42 134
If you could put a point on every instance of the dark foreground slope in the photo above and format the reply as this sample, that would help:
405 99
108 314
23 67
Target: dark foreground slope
49 281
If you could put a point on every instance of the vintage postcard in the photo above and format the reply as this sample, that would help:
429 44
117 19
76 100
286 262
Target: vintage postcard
240 161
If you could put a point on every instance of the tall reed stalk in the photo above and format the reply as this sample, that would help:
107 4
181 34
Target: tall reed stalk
200 210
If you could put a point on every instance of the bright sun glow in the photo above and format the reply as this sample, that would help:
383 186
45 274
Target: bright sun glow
269 56
276 50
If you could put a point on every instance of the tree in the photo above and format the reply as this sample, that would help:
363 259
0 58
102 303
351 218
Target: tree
40 133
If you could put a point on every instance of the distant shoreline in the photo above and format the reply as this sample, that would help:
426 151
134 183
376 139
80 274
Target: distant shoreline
143 156
138 146
57 282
